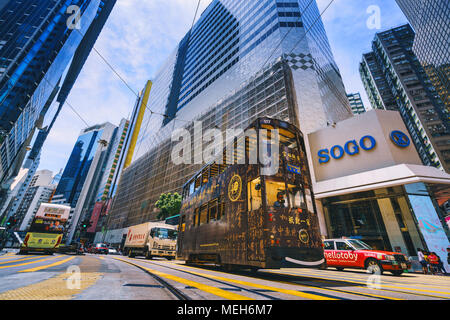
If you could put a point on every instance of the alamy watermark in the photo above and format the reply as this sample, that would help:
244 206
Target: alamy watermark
73 282
374 20
74 20
191 150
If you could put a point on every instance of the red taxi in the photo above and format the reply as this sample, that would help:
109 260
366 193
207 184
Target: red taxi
355 254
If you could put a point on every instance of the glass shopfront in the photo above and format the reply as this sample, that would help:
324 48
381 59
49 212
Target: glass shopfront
382 218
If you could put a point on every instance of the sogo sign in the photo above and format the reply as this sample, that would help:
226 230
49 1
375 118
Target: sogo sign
351 147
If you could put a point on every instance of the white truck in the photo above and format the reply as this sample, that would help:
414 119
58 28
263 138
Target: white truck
151 239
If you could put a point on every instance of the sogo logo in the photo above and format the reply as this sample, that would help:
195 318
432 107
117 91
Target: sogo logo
351 148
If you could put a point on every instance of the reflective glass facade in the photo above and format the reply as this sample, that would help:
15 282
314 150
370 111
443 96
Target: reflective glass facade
241 60
430 21
232 41
395 80
36 48
78 165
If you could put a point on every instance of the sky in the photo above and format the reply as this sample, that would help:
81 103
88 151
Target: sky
141 34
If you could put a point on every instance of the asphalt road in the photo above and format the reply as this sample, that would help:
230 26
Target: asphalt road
107 277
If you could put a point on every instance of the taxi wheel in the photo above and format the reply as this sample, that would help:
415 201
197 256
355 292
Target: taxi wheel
397 272
339 268
373 266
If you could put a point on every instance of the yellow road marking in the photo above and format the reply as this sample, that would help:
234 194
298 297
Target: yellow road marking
56 288
27 263
17 260
404 281
7 256
382 285
48 266
261 286
203 287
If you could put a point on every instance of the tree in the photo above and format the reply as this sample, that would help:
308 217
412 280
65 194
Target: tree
169 205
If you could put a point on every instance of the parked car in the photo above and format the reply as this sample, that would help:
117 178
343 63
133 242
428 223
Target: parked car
100 248
356 254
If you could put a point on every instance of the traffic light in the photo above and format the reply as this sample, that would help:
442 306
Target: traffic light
85 224
11 222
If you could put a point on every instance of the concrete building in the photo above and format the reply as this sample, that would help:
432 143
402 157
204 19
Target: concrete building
39 191
395 80
430 21
356 103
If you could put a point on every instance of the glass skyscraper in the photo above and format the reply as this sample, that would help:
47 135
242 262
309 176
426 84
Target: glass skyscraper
430 20
241 60
42 51
395 80
85 171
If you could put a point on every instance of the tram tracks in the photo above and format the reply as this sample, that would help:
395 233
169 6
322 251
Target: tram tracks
299 280
172 289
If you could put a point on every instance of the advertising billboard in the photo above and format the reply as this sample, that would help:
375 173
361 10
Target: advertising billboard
430 226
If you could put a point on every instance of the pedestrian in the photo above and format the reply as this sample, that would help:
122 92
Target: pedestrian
422 260
433 262
441 265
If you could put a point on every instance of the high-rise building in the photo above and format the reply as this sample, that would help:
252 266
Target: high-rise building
356 103
43 46
81 177
39 191
241 60
18 188
430 21
112 167
395 80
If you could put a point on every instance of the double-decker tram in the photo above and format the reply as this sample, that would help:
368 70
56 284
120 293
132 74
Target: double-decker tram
241 213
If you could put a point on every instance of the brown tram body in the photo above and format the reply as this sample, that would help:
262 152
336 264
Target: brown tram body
227 218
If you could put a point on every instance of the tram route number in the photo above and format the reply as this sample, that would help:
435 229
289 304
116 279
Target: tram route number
229 309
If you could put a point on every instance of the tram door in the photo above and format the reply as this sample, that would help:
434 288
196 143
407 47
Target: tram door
255 221
181 230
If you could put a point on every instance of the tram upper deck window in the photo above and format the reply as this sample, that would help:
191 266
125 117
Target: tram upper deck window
191 187
198 182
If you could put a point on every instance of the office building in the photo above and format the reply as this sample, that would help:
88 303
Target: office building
80 180
356 103
430 21
395 80
43 46
39 191
241 60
